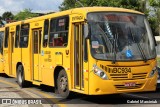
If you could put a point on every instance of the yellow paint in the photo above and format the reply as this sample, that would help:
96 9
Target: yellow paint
59 58
12 28
1 64
1 55
36 83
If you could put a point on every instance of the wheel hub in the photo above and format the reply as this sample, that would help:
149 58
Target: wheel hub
20 77
63 83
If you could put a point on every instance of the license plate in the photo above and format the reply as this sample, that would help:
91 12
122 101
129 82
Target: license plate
130 84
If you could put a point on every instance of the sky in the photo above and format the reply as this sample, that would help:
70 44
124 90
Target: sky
16 6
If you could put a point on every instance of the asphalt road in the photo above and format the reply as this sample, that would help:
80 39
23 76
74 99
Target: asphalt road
46 97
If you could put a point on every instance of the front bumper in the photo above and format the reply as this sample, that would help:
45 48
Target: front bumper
99 86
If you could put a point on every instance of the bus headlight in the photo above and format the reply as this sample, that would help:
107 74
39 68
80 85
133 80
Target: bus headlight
153 72
99 72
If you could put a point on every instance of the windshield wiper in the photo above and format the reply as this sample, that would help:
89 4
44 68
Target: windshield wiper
113 45
139 46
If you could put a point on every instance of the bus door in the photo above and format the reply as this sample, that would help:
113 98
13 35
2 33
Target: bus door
79 65
10 47
36 47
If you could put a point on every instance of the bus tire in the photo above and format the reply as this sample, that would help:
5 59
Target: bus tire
62 84
20 76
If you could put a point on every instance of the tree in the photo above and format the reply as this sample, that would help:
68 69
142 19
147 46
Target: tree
67 4
26 13
130 4
7 16
1 23
158 20
156 10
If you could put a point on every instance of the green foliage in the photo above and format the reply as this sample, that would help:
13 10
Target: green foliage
154 3
158 21
156 10
26 13
7 16
129 4
67 4
1 23
153 24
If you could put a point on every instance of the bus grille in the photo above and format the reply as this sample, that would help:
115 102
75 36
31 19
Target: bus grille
117 77
123 87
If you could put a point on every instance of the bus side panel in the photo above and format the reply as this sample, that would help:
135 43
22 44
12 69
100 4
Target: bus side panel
6 64
26 63
16 58
12 32
1 50
47 66
1 64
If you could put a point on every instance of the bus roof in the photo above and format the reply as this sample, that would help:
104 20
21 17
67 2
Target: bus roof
82 10
102 9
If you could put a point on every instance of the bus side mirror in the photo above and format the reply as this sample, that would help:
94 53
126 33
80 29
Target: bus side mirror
155 42
85 30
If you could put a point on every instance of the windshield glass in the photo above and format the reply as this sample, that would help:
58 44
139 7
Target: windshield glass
120 36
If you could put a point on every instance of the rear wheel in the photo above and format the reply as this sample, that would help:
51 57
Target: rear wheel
20 76
62 84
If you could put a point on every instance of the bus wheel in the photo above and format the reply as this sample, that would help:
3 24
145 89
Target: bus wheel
20 76
62 84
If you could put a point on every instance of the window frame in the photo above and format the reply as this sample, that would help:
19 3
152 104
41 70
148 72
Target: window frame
2 33
55 31
46 32
26 35
17 36
6 37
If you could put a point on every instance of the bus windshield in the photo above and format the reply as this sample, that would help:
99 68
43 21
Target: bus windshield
120 37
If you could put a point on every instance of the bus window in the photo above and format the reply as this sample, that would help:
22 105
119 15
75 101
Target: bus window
24 36
17 36
59 32
45 36
1 41
6 37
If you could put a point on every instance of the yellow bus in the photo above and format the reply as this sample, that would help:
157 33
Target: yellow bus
90 50
1 49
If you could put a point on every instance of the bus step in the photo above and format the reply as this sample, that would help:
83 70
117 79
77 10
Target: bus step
36 83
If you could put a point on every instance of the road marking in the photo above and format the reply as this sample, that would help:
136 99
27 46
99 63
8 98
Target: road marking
48 96
11 84
39 92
